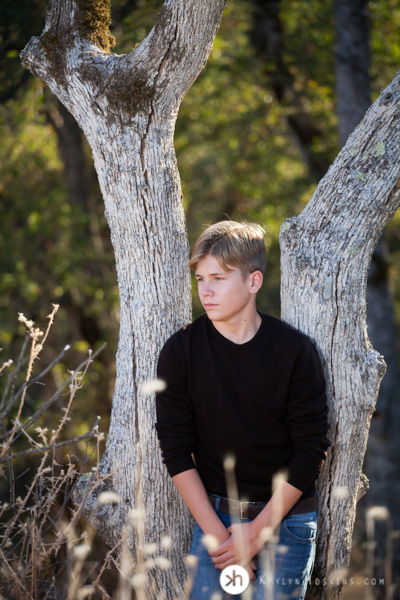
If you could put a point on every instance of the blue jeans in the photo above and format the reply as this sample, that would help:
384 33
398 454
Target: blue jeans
284 567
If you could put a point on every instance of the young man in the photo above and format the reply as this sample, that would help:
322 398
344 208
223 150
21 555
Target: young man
242 383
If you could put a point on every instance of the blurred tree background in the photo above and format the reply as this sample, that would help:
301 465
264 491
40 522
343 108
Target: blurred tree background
255 133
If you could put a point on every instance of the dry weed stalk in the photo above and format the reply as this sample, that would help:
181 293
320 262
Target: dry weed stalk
43 548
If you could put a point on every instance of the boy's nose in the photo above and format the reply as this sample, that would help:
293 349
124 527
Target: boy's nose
206 291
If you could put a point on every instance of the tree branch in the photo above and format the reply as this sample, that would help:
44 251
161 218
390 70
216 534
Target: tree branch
326 252
180 43
164 65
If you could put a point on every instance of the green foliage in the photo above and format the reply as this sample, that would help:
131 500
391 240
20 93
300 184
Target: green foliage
46 255
19 21
30 195
132 21
235 152
236 156
385 43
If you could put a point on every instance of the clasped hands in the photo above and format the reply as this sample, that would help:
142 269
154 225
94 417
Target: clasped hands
239 549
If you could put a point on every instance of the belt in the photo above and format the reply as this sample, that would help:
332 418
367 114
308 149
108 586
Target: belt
249 510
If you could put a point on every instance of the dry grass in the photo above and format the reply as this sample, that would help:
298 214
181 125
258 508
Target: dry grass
46 548
44 542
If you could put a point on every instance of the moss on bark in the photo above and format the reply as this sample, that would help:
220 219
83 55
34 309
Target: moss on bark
92 23
55 46
94 20
129 93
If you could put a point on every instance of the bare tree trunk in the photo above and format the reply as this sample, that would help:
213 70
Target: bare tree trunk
383 450
325 257
127 107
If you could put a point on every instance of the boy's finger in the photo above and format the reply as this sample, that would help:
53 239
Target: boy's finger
223 558
224 547
225 563
251 573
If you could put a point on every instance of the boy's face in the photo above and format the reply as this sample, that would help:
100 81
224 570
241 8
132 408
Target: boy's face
225 295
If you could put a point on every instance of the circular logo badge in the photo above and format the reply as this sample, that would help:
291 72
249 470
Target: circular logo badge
234 579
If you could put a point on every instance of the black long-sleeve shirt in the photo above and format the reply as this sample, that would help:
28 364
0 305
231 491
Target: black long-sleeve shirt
262 401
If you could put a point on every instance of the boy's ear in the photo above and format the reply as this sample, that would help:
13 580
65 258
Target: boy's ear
256 279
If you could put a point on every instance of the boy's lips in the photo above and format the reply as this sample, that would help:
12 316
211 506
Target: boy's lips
210 305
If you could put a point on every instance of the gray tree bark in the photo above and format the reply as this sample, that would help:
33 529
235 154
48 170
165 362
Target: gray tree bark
127 107
383 450
325 257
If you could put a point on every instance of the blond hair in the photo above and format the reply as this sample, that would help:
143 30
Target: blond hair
233 244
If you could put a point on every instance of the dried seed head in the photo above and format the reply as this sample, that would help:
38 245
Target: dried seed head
341 492
210 541
166 542
85 592
150 548
149 564
81 551
109 498
191 560
216 596
139 580
153 386
136 514
229 462
338 574
163 563
379 513
265 534
279 478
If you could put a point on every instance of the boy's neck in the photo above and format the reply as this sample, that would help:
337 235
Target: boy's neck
241 329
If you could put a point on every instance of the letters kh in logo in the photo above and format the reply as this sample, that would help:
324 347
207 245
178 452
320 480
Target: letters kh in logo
234 579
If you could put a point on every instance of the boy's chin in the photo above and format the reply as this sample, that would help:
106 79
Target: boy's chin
211 314
214 317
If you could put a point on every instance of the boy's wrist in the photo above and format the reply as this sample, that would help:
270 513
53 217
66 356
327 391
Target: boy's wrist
216 535
222 534
260 527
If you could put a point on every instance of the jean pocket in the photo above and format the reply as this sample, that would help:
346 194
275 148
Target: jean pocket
302 528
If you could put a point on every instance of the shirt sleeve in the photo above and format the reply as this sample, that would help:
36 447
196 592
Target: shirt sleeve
307 414
175 416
